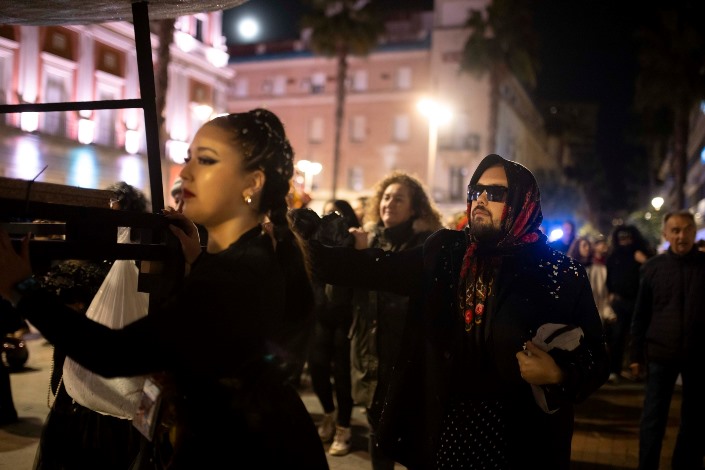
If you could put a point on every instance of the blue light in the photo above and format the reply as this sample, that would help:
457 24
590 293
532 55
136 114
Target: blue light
83 171
556 233
702 155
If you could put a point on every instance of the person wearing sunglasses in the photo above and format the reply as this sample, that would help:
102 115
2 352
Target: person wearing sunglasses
474 385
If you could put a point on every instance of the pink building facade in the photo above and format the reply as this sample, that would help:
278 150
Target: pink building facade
94 148
383 128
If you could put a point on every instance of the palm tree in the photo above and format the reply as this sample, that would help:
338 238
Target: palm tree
340 28
502 41
671 78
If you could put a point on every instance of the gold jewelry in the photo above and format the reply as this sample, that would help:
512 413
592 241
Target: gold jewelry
248 200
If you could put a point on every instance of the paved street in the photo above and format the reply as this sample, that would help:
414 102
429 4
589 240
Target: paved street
606 431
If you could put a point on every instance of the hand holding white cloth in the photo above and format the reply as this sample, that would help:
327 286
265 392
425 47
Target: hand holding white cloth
117 303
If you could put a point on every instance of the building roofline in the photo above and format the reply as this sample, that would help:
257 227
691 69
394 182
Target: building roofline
291 55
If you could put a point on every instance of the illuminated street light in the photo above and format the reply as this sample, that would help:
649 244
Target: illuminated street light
203 112
437 114
657 202
309 169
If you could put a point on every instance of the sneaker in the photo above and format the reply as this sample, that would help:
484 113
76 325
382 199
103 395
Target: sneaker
326 430
342 442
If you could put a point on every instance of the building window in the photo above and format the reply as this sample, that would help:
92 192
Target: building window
458 180
109 60
404 78
241 87
58 41
279 85
359 80
318 82
358 129
106 121
200 29
356 180
4 82
267 86
401 127
315 130
472 142
55 122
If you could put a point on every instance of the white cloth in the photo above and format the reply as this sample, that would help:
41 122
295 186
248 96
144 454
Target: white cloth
597 274
117 303
549 336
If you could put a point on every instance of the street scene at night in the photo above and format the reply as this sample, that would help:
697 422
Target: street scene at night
352 234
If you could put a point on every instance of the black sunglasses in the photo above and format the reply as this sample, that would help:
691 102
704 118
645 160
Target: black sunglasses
494 193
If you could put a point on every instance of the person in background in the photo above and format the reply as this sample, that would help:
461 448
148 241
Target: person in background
360 207
581 251
668 338
563 243
597 273
10 324
89 424
330 346
700 245
400 216
502 339
223 397
628 251
599 250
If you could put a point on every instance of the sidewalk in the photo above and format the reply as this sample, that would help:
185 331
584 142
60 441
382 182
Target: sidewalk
607 428
606 425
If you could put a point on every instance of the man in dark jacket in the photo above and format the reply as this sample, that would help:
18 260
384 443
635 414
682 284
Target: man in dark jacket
472 388
668 335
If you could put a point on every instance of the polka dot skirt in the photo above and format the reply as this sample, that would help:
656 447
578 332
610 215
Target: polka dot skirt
473 437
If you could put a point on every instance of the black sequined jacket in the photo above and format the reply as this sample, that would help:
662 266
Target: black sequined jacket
536 285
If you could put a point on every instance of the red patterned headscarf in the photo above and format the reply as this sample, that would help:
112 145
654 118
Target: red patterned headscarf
519 226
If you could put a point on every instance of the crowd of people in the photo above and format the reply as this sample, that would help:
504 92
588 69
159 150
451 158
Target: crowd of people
452 338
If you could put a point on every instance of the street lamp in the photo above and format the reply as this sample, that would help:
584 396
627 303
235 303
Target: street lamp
657 202
437 114
309 169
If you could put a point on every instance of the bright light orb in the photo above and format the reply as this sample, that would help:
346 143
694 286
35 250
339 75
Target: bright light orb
556 233
657 202
248 28
434 110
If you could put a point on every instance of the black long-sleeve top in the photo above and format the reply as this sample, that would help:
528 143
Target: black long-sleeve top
217 339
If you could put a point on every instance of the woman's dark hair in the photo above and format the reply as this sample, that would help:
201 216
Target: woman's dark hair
129 197
639 243
260 138
574 251
345 209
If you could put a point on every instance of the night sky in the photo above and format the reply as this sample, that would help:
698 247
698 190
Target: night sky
281 17
588 54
